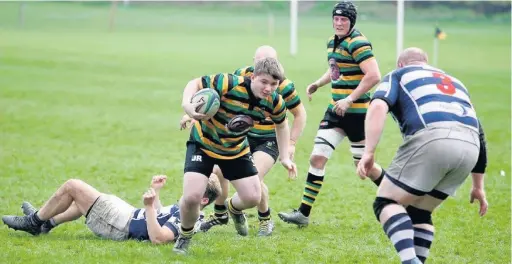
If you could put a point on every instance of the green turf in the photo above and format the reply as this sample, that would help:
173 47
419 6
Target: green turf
79 102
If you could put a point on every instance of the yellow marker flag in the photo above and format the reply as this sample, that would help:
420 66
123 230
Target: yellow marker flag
440 34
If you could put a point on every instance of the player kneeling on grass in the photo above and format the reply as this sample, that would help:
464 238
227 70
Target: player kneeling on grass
442 145
107 215
214 142
263 144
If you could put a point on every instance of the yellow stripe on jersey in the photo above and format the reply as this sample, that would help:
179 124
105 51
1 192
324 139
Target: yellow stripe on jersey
355 105
352 77
347 65
213 144
350 40
342 91
282 85
359 50
237 103
342 52
217 156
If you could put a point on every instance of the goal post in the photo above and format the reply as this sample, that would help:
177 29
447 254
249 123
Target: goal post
294 17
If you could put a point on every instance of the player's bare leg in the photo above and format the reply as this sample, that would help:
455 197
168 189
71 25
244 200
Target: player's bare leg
71 214
248 195
376 174
264 162
76 191
220 215
326 141
194 186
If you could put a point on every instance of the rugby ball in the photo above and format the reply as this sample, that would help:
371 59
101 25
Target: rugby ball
209 101
240 124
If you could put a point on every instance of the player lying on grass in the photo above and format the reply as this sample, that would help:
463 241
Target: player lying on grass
107 215
263 144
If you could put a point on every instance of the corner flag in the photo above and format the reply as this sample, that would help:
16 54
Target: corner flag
440 34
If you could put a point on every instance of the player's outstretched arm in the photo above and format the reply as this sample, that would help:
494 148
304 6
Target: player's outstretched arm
157 234
322 81
373 126
299 123
283 141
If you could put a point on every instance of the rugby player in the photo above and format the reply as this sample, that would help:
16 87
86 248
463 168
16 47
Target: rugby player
352 72
263 145
212 142
107 215
433 111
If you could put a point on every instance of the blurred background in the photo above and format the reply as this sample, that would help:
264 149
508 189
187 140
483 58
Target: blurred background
92 90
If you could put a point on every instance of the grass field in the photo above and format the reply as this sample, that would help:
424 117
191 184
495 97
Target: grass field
79 102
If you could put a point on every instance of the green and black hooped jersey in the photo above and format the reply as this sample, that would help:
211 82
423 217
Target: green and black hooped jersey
286 89
344 56
236 98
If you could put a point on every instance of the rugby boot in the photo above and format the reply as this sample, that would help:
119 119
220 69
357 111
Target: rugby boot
214 220
295 217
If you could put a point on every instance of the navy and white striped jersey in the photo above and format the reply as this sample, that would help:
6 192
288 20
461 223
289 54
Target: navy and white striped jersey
168 216
420 96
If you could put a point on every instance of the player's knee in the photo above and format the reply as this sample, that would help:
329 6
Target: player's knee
72 184
419 216
192 198
379 204
317 162
326 141
251 199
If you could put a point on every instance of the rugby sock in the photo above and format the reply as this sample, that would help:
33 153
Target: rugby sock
220 210
186 232
36 220
400 231
49 225
379 180
232 209
264 216
311 190
422 241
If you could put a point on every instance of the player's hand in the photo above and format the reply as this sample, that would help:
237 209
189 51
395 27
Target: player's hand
149 197
365 165
291 151
186 122
190 110
291 167
311 89
341 106
158 181
479 194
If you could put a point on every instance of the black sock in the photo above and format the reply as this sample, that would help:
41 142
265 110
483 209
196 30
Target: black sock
264 215
379 180
186 232
36 220
311 190
220 210
232 208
